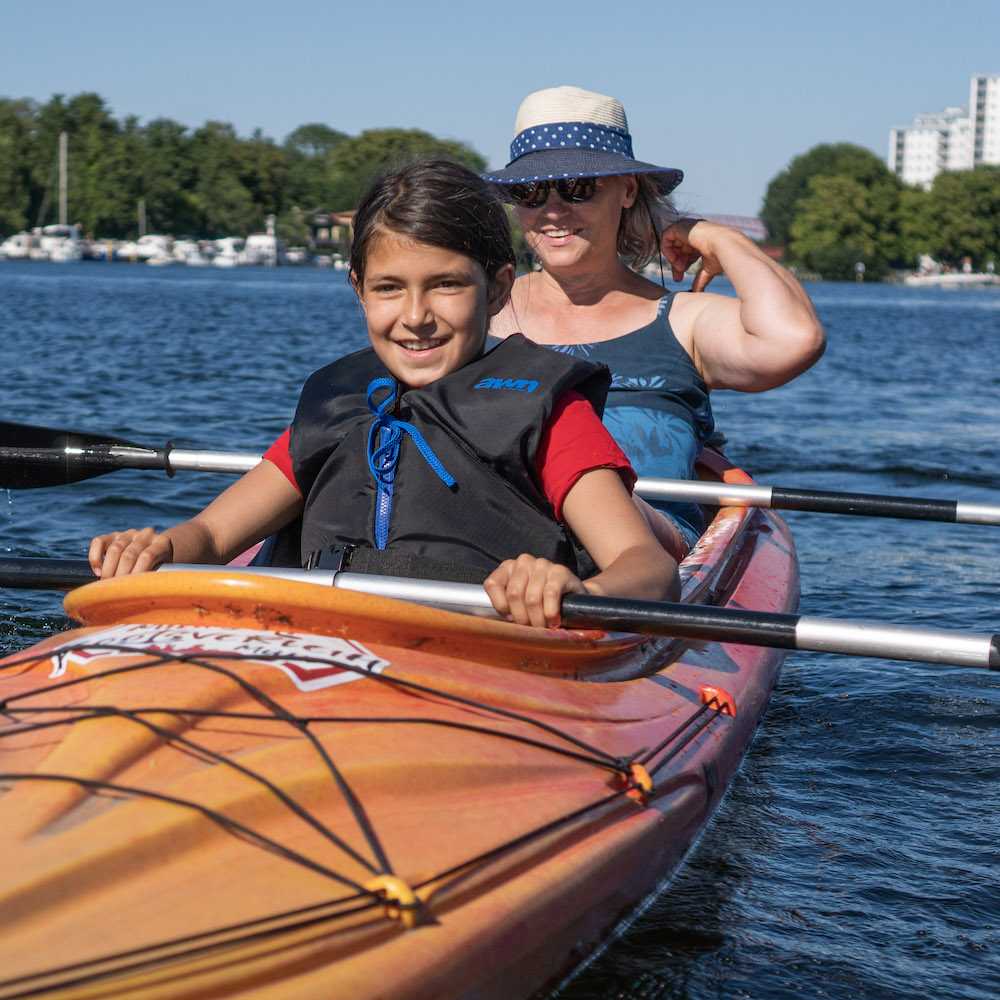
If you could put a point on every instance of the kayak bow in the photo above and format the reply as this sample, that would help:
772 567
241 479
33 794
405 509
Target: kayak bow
229 785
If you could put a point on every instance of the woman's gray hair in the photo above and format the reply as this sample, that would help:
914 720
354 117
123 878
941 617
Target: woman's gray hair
643 223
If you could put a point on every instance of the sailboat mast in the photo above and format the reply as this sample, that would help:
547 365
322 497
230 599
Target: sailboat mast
63 152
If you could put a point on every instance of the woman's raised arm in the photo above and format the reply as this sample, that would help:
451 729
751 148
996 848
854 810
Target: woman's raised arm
761 339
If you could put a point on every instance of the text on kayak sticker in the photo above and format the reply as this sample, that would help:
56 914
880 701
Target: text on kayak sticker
312 662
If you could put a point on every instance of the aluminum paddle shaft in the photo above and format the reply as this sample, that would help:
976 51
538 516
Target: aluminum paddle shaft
819 501
781 631
682 621
32 456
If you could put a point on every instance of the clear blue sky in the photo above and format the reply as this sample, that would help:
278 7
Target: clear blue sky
728 91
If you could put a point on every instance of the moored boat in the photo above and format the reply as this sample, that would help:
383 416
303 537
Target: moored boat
953 279
231 785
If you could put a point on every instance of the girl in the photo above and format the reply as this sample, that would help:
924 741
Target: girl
423 456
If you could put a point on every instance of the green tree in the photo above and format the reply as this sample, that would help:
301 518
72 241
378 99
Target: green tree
789 187
43 151
356 160
165 177
91 132
117 210
308 153
205 183
963 216
263 174
313 140
915 224
835 227
223 202
16 125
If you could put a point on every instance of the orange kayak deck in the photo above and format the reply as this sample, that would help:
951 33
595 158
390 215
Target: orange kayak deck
228 785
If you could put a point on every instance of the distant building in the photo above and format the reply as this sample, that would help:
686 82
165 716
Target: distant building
329 230
984 105
953 139
934 142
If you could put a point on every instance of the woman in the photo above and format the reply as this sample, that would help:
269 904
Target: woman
592 213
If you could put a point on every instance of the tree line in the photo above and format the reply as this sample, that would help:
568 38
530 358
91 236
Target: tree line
839 205
832 208
205 183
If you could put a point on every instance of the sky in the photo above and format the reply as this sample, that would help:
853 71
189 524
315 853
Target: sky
728 91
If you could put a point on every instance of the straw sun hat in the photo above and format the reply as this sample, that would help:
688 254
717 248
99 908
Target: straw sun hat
569 132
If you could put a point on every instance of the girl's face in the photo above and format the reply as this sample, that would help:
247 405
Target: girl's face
427 309
565 235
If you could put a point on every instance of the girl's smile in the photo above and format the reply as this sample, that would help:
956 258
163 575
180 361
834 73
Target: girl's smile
427 308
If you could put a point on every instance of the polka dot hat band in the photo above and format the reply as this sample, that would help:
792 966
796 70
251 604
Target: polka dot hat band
569 132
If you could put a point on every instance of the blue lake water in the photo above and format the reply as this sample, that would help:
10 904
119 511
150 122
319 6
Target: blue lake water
857 855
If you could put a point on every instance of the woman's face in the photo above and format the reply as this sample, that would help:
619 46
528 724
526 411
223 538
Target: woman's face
568 236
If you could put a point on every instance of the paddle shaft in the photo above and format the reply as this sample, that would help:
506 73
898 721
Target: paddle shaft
30 467
820 501
782 631
682 621
122 457
47 456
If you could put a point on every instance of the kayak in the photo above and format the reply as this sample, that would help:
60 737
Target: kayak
225 784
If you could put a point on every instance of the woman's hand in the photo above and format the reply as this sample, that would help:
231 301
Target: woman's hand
683 243
122 552
529 590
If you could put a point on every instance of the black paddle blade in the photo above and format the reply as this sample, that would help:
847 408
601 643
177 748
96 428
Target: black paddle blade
30 436
34 457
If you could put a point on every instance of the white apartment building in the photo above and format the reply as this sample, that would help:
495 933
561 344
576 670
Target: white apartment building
984 112
953 139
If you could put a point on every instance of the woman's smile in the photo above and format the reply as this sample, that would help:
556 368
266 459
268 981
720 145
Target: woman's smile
559 234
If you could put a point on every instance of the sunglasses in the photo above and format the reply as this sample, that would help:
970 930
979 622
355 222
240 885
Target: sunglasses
574 190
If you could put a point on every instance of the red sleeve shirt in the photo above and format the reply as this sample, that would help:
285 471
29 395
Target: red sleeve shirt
573 442
280 455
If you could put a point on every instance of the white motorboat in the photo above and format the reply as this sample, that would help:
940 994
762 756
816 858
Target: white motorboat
953 279
227 251
18 246
188 251
59 243
265 249
153 248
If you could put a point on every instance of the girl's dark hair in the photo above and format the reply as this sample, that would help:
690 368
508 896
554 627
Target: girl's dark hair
437 202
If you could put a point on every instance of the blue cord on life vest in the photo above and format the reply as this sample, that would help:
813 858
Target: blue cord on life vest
389 450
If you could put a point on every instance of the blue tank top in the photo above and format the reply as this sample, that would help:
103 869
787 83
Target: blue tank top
658 408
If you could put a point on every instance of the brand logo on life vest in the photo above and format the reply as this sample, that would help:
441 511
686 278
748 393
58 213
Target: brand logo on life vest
520 384
311 661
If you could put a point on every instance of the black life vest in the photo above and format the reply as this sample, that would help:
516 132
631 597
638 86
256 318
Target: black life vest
480 425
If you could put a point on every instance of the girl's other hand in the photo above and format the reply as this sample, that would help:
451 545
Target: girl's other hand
529 591
122 552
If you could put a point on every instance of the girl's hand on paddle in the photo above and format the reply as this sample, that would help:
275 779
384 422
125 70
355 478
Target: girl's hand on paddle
529 590
684 242
122 552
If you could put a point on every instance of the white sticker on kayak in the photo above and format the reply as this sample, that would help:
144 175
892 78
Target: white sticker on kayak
311 661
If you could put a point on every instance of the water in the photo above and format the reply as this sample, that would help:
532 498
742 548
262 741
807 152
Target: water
856 855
